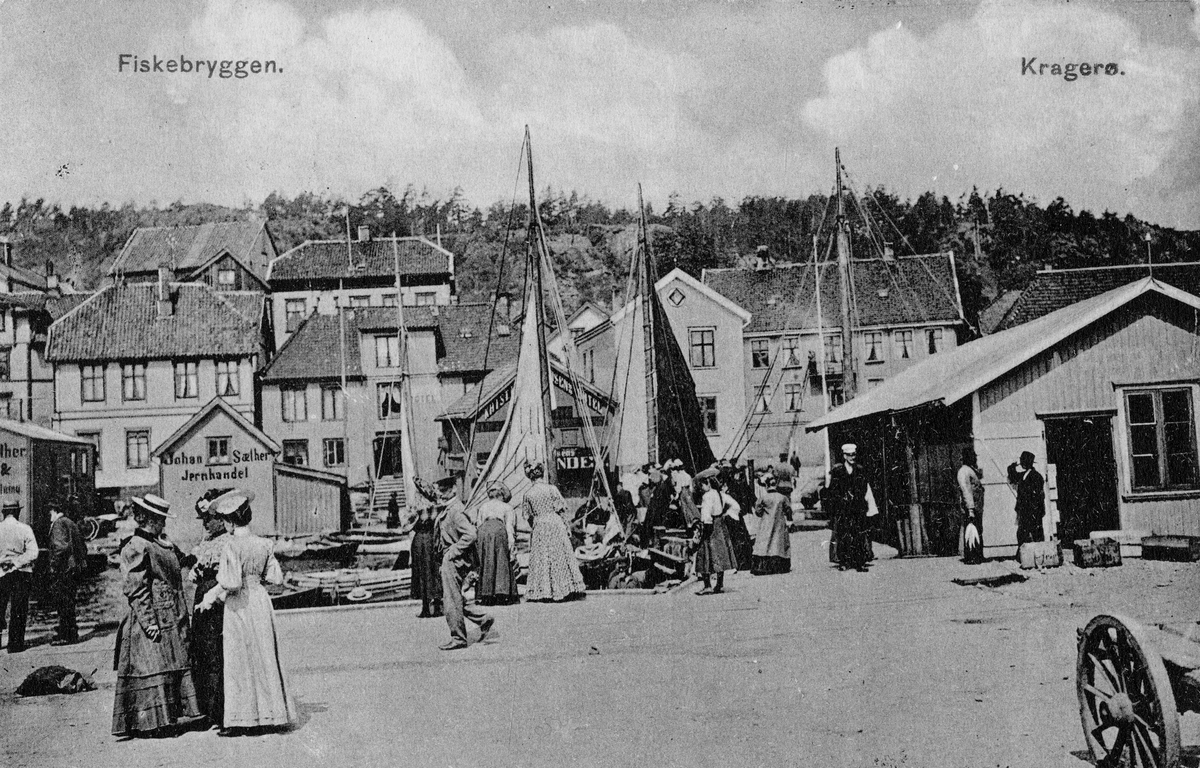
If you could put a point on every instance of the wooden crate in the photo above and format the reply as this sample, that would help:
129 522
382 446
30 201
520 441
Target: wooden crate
1097 553
1039 554
1183 549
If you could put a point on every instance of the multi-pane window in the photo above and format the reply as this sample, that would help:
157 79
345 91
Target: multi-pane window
703 347
1162 439
5 363
791 352
295 452
228 381
833 350
389 299
332 404
335 452
133 381
389 400
226 279
794 396
760 353
426 298
94 439
387 351
873 347
137 448
933 340
295 403
295 310
358 302
187 379
904 344
92 383
218 450
708 413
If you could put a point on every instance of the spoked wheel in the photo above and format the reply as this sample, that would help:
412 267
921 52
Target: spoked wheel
1125 697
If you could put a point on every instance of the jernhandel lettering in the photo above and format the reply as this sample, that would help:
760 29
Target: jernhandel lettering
1069 71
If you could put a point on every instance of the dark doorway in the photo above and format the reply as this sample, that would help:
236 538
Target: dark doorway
1081 449
387 456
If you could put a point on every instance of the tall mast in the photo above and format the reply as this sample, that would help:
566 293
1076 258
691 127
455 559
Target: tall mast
408 456
535 244
849 374
645 286
821 344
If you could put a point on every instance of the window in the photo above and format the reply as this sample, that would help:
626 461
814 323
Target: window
389 299
137 448
1162 439
762 400
933 340
389 400
791 352
873 347
92 383
218 450
703 347
589 365
794 395
133 381
186 380
760 353
357 302
3 321
332 404
295 403
228 382
833 350
708 413
904 344
426 298
335 452
387 351
5 363
94 439
295 452
294 310
226 279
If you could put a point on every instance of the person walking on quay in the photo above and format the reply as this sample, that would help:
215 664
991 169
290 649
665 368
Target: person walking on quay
154 680
256 693
18 552
772 546
1031 499
847 496
458 534
68 560
553 569
426 552
970 488
715 554
206 647
497 548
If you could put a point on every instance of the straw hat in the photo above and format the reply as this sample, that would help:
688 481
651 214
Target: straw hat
10 508
230 502
358 594
154 504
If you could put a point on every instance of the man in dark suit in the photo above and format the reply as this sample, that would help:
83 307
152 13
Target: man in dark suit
458 561
1031 499
68 560
848 507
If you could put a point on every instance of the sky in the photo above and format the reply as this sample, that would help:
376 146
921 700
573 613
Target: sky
703 99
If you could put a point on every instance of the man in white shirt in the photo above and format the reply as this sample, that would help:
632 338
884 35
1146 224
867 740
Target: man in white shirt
18 552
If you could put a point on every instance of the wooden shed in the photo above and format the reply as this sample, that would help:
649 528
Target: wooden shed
1103 392
310 501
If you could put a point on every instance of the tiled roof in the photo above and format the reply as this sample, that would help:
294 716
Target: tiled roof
22 276
1054 289
56 306
188 247
328 260
313 351
912 289
993 314
121 322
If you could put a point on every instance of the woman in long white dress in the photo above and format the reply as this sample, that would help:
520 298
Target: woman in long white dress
256 694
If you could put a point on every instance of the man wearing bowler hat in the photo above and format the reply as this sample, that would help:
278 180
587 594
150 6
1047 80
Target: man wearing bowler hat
458 561
18 552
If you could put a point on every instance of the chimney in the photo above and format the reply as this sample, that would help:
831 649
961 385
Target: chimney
6 249
51 278
166 307
364 234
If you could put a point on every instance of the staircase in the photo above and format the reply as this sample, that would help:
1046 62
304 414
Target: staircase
384 487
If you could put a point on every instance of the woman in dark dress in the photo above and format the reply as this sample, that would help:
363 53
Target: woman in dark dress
426 555
206 653
496 548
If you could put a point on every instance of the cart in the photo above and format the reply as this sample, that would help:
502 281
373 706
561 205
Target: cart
1133 683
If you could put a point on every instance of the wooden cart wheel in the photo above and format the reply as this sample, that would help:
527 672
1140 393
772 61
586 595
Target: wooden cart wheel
91 528
1125 697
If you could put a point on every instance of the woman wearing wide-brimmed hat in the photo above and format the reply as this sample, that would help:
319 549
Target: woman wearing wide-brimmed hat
496 548
425 553
256 694
154 682
553 570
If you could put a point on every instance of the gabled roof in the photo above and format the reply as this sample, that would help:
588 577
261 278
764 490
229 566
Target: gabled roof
992 316
216 404
900 291
1054 289
26 429
187 248
950 376
375 258
121 322
472 401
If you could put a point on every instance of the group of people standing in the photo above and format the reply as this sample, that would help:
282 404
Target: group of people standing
218 657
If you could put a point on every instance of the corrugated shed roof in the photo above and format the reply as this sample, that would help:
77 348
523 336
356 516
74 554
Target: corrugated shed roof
950 376
328 260
186 247
911 289
121 322
1052 290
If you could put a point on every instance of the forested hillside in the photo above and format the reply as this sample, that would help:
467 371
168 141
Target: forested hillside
1000 238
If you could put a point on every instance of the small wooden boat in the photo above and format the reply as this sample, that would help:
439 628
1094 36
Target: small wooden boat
338 584
309 597
375 541
319 548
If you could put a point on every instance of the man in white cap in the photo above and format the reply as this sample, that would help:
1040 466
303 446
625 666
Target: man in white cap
18 552
846 497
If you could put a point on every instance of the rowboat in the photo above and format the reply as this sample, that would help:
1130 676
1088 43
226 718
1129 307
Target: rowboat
322 547
375 542
338 584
